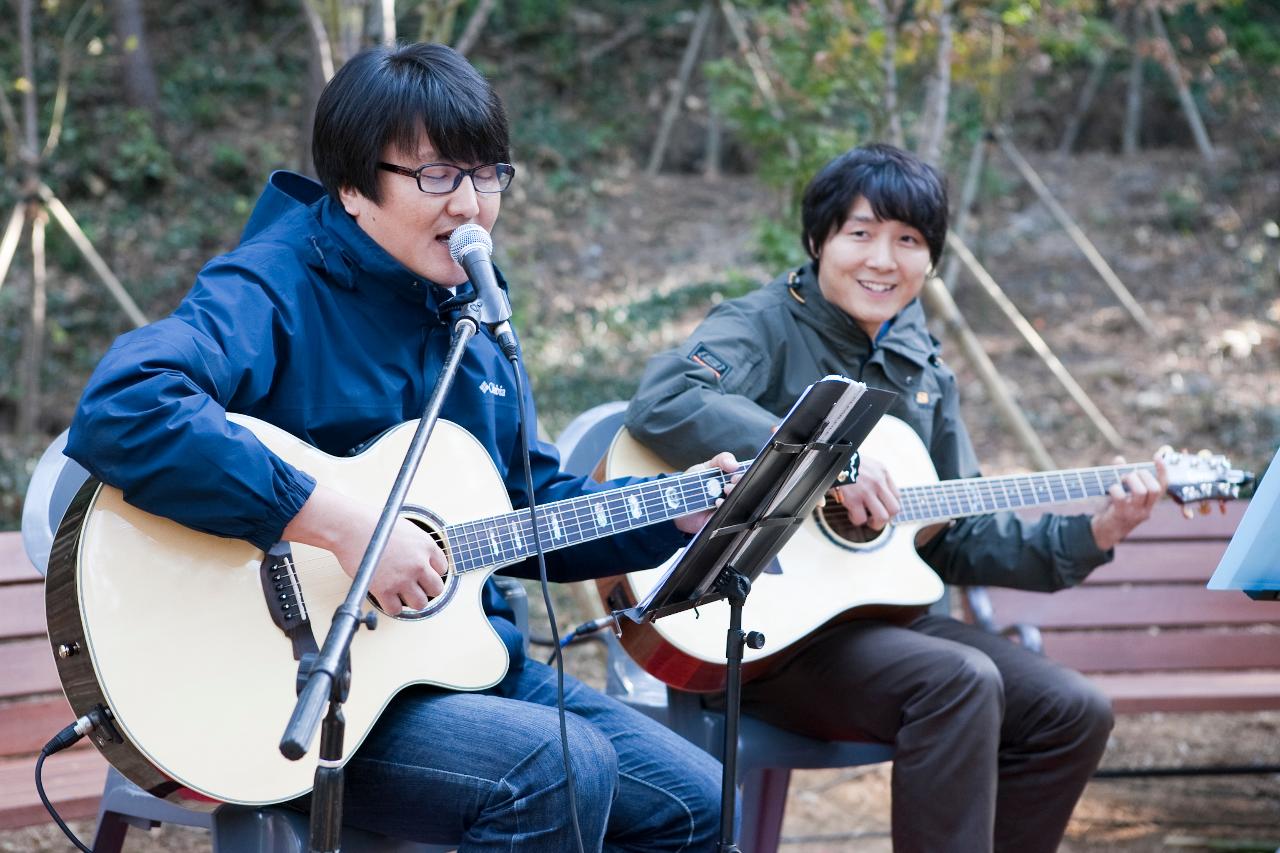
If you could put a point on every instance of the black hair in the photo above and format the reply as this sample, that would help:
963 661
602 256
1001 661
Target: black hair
391 95
896 184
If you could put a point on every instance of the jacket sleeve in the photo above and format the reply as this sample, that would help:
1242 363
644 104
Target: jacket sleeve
640 548
152 420
1002 549
700 399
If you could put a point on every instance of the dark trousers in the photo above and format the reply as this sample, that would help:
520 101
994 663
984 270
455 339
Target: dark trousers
993 744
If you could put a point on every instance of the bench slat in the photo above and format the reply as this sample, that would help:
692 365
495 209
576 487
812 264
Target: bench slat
26 726
1155 562
1189 692
73 779
14 565
1167 522
1166 605
26 668
1135 651
23 609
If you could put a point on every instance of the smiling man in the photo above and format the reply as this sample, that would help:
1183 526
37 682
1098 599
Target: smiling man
993 744
325 322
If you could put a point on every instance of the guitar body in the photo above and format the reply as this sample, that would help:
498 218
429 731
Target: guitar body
169 628
825 577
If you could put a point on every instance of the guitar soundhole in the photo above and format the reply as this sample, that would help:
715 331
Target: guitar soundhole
834 521
435 527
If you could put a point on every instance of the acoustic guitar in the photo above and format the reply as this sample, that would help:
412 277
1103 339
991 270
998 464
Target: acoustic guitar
831 570
191 640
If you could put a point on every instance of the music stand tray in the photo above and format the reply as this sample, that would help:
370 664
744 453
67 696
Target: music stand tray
796 467
783 485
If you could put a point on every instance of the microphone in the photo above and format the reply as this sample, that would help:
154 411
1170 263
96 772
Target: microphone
472 249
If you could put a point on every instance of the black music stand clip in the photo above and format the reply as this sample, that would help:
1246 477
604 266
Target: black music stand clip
784 484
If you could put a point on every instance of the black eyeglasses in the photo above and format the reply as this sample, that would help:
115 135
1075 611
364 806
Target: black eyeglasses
444 178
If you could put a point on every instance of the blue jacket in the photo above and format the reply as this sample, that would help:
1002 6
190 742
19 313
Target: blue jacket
310 325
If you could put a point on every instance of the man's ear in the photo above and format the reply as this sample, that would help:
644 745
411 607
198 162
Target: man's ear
353 202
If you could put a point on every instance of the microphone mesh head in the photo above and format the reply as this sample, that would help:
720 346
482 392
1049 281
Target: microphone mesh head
467 238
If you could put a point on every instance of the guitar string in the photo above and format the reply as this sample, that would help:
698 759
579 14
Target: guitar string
469 545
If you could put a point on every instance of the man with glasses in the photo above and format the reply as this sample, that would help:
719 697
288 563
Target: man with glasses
324 321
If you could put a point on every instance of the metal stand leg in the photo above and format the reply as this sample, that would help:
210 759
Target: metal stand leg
737 587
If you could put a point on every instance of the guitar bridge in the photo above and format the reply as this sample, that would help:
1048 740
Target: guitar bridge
284 599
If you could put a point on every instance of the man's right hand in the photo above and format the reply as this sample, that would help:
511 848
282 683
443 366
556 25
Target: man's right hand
871 500
412 566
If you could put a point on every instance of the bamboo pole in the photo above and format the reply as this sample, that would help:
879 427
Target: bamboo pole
33 342
1077 236
1036 342
939 304
72 230
672 109
1084 102
12 234
969 193
1133 94
756 65
1174 70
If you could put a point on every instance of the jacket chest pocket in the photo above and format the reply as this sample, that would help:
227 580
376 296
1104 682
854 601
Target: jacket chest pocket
920 389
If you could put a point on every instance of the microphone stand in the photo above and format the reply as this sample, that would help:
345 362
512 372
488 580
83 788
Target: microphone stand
327 675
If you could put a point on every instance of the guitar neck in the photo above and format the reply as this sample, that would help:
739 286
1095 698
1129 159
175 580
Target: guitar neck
507 538
978 496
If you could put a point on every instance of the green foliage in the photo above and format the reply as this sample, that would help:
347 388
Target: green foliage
138 163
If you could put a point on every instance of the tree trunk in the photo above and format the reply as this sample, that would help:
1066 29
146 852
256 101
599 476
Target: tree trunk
138 73
932 127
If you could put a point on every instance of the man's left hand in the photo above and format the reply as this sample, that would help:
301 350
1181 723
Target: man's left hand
726 463
1128 505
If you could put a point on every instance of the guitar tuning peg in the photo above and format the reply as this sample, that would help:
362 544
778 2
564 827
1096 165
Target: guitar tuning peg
1222 507
1187 512
1205 509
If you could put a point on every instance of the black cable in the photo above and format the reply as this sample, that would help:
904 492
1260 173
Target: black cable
546 598
59 742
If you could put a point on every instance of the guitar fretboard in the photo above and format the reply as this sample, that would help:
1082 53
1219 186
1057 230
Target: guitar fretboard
507 538
957 498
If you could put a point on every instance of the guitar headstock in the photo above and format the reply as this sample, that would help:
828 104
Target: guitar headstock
1203 476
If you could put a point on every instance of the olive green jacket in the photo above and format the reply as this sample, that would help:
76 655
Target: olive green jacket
748 361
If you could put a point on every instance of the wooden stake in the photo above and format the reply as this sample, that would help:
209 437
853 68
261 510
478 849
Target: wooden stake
1077 236
940 305
1036 342
669 113
68 223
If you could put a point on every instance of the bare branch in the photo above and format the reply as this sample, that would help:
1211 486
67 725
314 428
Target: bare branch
890 13
471 32
65 54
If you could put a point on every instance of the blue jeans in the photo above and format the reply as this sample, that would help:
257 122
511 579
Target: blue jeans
485 771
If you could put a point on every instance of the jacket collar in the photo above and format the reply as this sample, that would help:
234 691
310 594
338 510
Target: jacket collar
907 334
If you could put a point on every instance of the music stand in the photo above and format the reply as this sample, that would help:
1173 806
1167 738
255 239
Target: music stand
796 467
1251 562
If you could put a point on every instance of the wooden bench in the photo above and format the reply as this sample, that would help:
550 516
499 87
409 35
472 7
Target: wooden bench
32 707
1146 629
